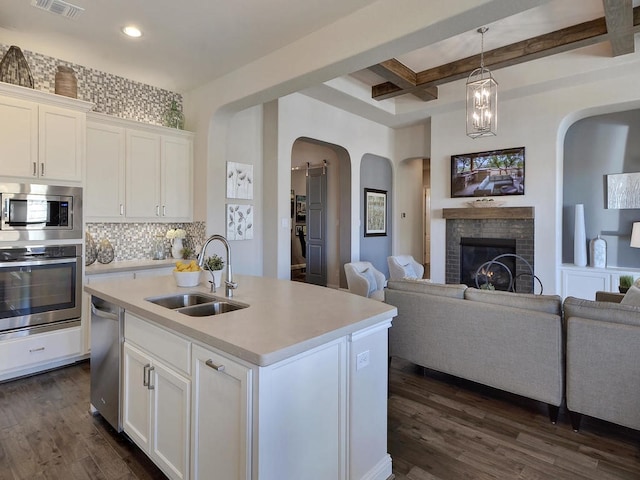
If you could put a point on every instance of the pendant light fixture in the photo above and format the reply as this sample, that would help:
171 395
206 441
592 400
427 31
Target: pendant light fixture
482 99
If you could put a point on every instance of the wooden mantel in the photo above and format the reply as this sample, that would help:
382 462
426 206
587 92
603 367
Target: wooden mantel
472 213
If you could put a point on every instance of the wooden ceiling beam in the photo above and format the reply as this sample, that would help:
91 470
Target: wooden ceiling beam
619 19
563 40
402 76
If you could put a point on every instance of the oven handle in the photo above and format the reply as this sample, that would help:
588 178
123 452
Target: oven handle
32 263
103 313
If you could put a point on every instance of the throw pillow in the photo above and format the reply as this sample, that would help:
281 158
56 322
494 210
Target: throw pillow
371 278
632 297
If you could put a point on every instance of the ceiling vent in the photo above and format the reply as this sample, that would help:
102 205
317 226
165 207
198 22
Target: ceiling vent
59 7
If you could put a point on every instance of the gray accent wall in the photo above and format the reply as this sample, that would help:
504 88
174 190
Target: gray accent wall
594 148
376 172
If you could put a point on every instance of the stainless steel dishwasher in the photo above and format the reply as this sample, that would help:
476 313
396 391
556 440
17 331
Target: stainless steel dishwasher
107 333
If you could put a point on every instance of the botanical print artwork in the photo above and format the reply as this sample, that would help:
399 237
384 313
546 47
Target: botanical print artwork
375 212
239 222
239 180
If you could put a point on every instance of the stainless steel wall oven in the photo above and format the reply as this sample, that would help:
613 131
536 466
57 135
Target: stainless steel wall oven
40 288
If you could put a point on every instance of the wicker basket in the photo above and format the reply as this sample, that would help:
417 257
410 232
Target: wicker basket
66 82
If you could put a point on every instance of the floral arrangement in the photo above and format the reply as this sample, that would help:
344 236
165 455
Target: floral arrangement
176 233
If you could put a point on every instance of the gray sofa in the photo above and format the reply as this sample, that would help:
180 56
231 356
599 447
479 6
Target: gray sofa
509 341
603 360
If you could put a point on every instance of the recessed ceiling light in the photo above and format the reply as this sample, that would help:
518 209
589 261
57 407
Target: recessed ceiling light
132 31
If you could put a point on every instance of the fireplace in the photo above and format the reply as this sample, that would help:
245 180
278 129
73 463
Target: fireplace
504 223
475 252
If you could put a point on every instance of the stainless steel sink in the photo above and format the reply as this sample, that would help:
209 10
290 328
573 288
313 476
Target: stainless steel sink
181 300
206 309
196 304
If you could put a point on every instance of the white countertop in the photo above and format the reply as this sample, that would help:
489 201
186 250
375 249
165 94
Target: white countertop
124 265
284 318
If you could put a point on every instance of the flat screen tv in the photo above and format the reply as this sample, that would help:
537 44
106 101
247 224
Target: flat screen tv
488 174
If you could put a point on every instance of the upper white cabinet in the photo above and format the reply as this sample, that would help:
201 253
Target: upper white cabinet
104 192
41 135
137 172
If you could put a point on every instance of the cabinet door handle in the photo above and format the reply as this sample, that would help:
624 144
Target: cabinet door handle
42 169
35 169
39 349
157 210
151 385
164 211
145 375
121 209
219 368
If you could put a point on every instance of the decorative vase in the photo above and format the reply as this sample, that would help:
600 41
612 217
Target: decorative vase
91 250
176 248
598 251
579 238
66 82
15 69
173 117
217 277
105 252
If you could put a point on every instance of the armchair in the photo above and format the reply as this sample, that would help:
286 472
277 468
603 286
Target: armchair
364 280
404 266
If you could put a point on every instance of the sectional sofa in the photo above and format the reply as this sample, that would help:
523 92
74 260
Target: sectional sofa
509 341
524 344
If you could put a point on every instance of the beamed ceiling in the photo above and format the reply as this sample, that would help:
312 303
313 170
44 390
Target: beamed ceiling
618 26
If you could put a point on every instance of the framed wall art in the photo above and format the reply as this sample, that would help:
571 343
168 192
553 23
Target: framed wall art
239 180
301 208
375 213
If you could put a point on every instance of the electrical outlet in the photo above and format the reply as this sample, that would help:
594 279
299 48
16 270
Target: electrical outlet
362 360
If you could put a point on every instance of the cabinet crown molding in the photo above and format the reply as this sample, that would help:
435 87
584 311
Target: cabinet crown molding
29 94
126 123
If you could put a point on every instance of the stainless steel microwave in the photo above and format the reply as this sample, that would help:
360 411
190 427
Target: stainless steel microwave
40 212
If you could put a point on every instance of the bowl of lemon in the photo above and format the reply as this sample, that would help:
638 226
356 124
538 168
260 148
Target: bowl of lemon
187 274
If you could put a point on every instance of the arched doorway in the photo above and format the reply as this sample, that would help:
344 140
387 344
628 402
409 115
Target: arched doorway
316 153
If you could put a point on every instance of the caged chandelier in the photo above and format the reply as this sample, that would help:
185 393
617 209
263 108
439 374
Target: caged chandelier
482 99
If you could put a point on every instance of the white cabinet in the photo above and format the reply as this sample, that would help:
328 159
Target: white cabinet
584 282
221 416
41 135
24 355
156 404
60 143
140 172
104 193
18 137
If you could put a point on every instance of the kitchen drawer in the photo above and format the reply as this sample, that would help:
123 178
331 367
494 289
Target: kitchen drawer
24 352
171 349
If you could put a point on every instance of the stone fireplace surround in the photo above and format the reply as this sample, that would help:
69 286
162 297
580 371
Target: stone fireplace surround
515 223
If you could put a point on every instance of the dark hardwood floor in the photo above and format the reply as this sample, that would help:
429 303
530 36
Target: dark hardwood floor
445 428
440 427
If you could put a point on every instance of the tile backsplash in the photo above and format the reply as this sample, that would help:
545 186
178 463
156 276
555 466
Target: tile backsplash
111 94
134 241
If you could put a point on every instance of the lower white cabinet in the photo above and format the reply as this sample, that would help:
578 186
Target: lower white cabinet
203 414
156 410
584 282
221 417
24 355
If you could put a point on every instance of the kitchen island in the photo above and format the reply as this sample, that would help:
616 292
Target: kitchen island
292 386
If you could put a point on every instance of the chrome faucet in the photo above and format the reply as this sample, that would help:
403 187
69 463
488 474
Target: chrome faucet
230 285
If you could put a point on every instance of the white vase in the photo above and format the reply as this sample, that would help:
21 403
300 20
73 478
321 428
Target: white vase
217 277
176 248
579 238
